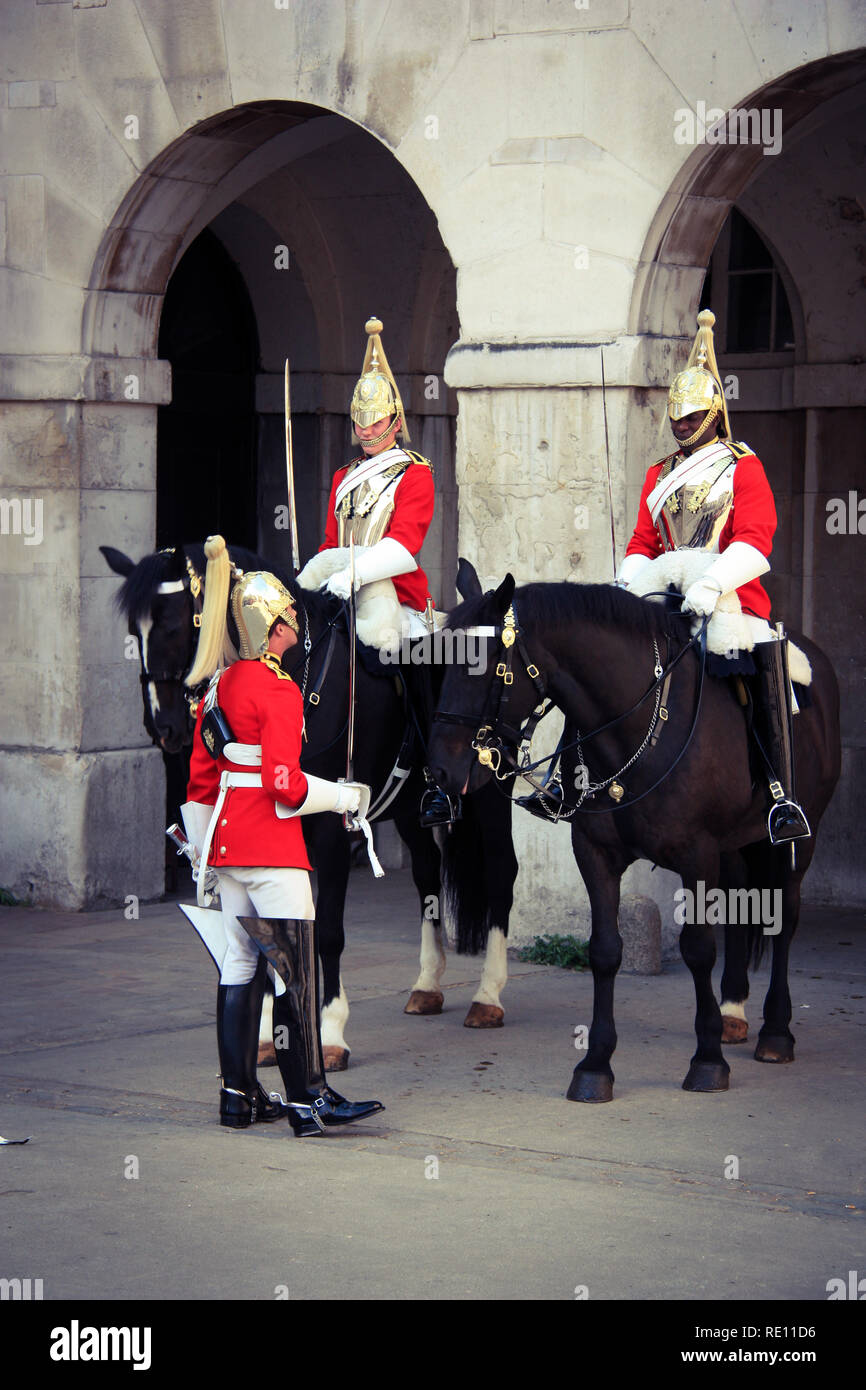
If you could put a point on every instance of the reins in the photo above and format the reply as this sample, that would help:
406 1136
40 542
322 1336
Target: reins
494 739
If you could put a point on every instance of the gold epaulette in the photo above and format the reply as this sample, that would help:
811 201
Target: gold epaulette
737 449
419 458
666 464
272 661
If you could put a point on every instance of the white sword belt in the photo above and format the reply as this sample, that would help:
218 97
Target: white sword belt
251 754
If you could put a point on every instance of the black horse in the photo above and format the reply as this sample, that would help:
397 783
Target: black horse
160 597
688 801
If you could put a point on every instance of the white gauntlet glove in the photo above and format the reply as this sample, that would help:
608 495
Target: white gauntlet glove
740 563
630 569
196 816
348 797
381 561
342 797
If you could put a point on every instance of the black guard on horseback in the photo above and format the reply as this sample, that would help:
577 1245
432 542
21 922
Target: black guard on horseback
656 759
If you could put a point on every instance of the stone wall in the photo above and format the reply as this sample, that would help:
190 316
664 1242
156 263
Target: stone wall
540 139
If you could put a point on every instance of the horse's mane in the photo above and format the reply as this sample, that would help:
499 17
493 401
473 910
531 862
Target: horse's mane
135 596
137 592
561 605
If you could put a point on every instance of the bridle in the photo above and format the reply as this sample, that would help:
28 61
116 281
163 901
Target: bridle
493 734
496 741
176 675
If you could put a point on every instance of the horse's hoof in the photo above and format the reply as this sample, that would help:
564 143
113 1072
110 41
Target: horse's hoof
707 1076
592 1086
336 1058
778 1049
734 1030
425 1001
485 1016
267 1055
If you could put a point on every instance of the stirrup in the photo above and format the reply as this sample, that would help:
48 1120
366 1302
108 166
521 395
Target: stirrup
545 802
438 808
787 821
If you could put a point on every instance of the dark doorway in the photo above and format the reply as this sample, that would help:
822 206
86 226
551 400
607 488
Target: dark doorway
206 441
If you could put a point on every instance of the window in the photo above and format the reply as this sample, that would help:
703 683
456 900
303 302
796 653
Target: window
749 299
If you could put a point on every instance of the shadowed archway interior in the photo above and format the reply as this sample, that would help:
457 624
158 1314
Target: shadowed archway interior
206 437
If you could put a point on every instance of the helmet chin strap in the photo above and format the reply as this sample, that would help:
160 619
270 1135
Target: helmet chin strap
707 420
367 443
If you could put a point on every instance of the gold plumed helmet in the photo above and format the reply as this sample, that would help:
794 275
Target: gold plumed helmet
376 395
258 600
699 387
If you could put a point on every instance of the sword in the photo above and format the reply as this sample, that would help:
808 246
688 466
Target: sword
350 749
607 455
290 478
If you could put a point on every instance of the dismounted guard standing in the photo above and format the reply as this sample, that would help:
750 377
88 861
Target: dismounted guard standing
712 495
245 795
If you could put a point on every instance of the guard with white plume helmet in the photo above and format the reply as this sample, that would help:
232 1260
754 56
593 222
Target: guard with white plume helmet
246 795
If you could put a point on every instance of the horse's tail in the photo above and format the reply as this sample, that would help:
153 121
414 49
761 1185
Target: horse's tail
756 944
463 884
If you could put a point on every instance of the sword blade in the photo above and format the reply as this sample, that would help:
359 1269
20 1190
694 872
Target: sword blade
290 476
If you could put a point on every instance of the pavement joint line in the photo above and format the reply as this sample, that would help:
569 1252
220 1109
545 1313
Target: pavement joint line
397 1143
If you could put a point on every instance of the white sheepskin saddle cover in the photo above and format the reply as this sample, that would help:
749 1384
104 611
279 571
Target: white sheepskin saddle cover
729 629
381 622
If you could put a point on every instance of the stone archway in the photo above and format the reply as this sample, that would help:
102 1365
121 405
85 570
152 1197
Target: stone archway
266 179
323 227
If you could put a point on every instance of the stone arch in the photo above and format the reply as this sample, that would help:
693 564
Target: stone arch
689 218
269 171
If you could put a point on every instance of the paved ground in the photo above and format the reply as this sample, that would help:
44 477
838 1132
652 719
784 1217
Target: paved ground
479 1182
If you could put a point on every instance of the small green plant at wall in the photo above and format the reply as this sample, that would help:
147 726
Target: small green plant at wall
565 951
8 899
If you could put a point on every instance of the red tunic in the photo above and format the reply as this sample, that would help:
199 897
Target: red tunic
752 519
262 706
412 514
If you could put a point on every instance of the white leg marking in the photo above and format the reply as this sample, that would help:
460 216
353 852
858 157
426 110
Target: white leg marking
266 1027
334 1018
494 976
432 957
731 1010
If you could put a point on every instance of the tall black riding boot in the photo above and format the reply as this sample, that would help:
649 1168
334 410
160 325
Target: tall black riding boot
786 820
239 1009
289 945
436 806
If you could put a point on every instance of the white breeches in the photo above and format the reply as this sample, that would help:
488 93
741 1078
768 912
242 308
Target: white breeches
258 893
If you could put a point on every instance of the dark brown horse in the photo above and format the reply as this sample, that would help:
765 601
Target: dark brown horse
689 801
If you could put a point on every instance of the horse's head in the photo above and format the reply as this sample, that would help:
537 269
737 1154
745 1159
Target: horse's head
486 693
158 604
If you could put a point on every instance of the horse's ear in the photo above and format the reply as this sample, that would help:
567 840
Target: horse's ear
468 583
120 563
504 594
176 568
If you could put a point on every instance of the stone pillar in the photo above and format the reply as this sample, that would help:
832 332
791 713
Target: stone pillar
535 499
81 789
